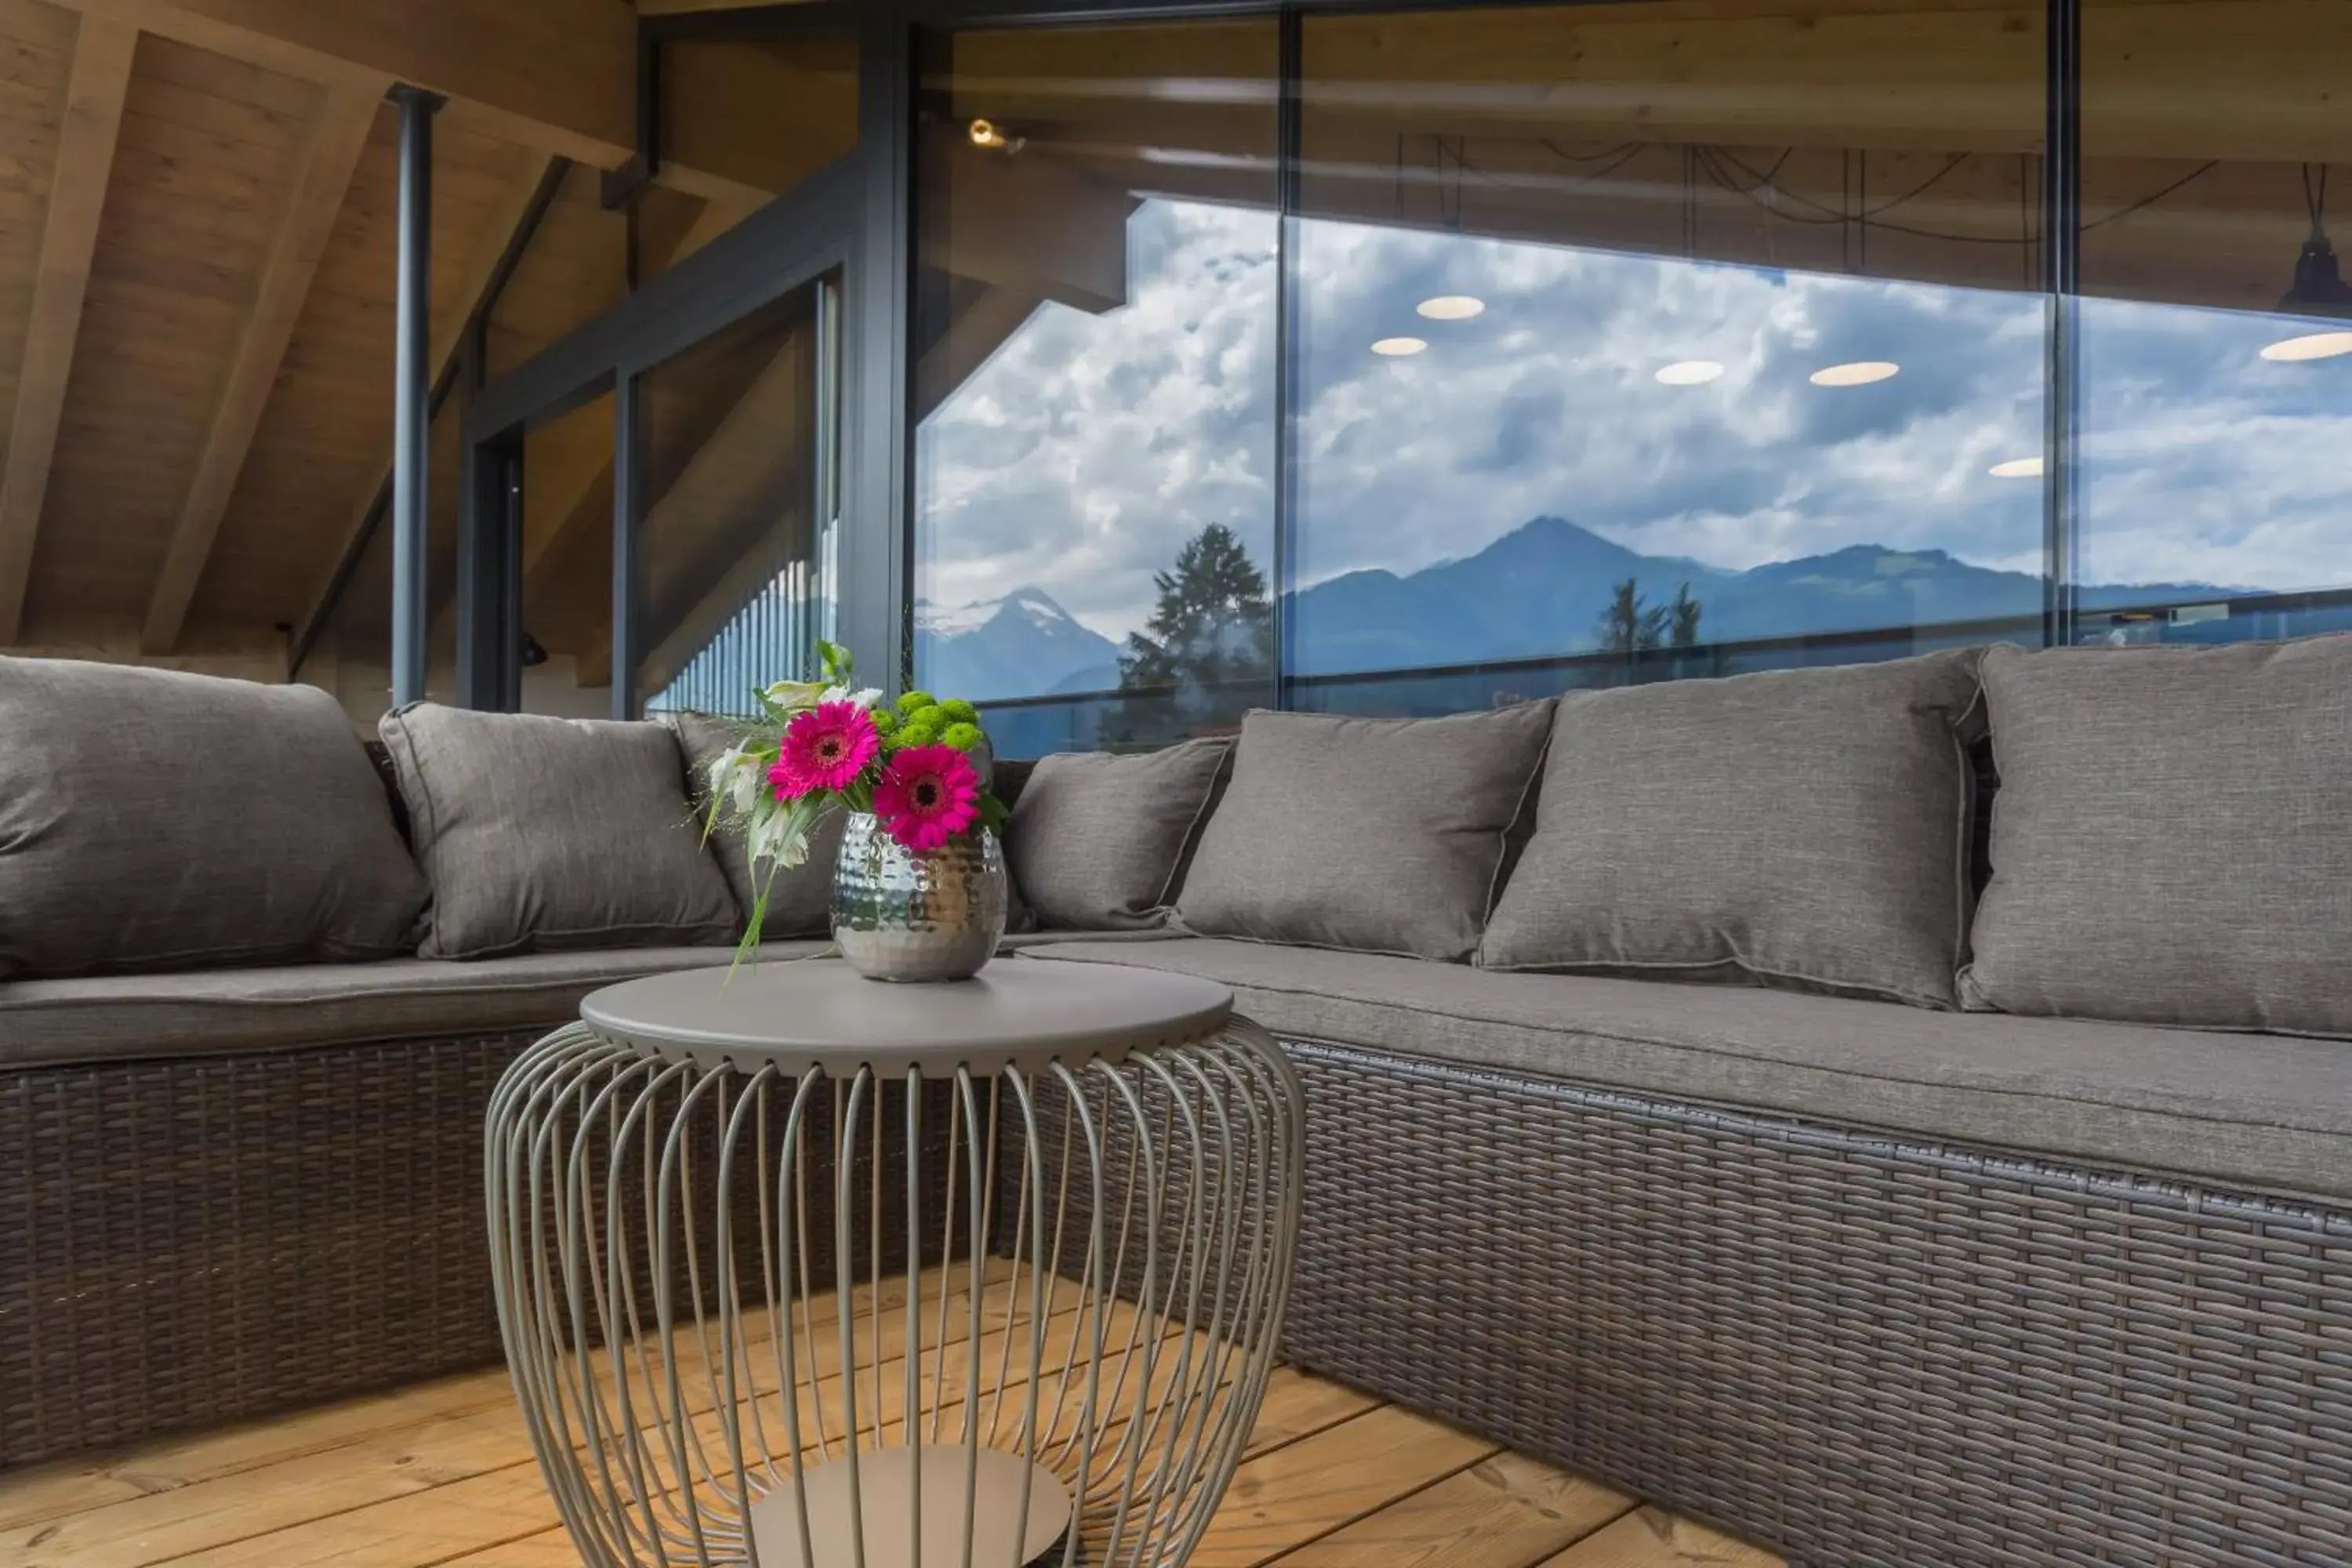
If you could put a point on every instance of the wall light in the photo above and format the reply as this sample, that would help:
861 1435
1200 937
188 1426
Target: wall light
1690 373
984 134
2310 345
1860 373
1398 347
2016 468
1451 308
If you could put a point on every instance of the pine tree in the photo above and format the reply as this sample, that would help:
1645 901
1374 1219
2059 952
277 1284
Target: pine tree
1682 629
1628 625
1211 630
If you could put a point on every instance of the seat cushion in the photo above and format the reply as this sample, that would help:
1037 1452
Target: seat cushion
2172 843
151 820
1380 834
2269 1112
1096 838
45 1022
544 834
1804 829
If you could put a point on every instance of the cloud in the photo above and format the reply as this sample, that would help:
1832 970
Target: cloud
1085 453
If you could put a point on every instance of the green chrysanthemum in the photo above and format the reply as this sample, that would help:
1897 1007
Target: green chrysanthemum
885 721
914 702
916 732
962 737
955 710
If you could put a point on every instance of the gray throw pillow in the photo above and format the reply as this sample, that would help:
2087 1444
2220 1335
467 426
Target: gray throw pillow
1096 838
1379 834
1806 829
544 834
800 901
152 820
2172 842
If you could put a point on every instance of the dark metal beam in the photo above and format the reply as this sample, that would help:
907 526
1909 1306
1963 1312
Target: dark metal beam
2062 276
412 420
876 576
628 507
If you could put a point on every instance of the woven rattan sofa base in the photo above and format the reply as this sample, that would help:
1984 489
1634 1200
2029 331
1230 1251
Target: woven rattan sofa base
1852 1349
186 1242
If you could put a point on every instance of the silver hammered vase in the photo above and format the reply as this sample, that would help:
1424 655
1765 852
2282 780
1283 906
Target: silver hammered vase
903 914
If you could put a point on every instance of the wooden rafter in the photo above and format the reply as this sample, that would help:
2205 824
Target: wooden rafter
450 316
94 117
338 136
558 75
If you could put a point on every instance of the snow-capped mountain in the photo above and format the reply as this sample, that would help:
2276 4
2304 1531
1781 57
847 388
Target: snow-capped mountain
1017 646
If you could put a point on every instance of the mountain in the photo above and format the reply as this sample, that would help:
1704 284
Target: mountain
1017 646
1540 589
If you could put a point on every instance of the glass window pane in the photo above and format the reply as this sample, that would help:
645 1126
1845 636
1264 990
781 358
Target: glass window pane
567 563
1638 339
2217 337
762 114
1095 369
730 545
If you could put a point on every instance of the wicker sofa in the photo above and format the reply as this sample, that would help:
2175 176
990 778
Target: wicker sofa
1867 1283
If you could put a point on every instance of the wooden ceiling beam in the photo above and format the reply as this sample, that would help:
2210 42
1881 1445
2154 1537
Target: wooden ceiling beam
93 118
450 318
339 133
557 76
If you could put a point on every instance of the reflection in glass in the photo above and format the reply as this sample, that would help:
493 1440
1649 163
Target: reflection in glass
2217 371
729 544
1094 379
1633 343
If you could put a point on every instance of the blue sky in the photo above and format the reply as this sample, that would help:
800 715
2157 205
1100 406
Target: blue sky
1091 446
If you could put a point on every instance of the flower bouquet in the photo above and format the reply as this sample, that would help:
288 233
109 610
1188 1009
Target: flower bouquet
912 775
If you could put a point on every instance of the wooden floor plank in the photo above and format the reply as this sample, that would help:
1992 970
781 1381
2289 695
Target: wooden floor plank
1503 1512
442 1476
47 1494
1652 1538
1304 1490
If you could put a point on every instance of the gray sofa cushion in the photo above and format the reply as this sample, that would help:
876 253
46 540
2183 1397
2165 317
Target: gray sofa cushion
1806 829
1382 834
800 901
1095 838
2172 842
156 820
2256 1113
128 1017
544 834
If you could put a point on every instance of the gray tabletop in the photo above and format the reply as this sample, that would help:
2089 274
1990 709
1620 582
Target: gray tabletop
821 1012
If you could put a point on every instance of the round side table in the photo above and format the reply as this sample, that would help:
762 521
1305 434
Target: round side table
803 1270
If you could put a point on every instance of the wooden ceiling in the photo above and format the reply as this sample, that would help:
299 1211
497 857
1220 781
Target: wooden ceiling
197 215
198 236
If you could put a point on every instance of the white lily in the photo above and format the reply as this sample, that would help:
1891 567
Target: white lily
735 779
793 695
863 696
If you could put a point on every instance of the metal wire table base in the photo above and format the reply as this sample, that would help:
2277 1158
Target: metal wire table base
772 1316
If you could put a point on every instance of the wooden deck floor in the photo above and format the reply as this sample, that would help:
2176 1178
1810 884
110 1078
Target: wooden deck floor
441 1473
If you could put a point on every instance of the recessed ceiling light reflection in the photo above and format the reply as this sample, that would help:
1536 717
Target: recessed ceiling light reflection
1861 373
2016 468
1451 308
2310 345
1690 373
1398 347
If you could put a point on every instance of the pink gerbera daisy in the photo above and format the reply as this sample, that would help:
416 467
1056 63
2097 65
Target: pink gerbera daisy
824 749
928 795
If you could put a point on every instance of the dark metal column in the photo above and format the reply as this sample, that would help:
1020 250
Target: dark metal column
877 578
412 416
2062 276
629 493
